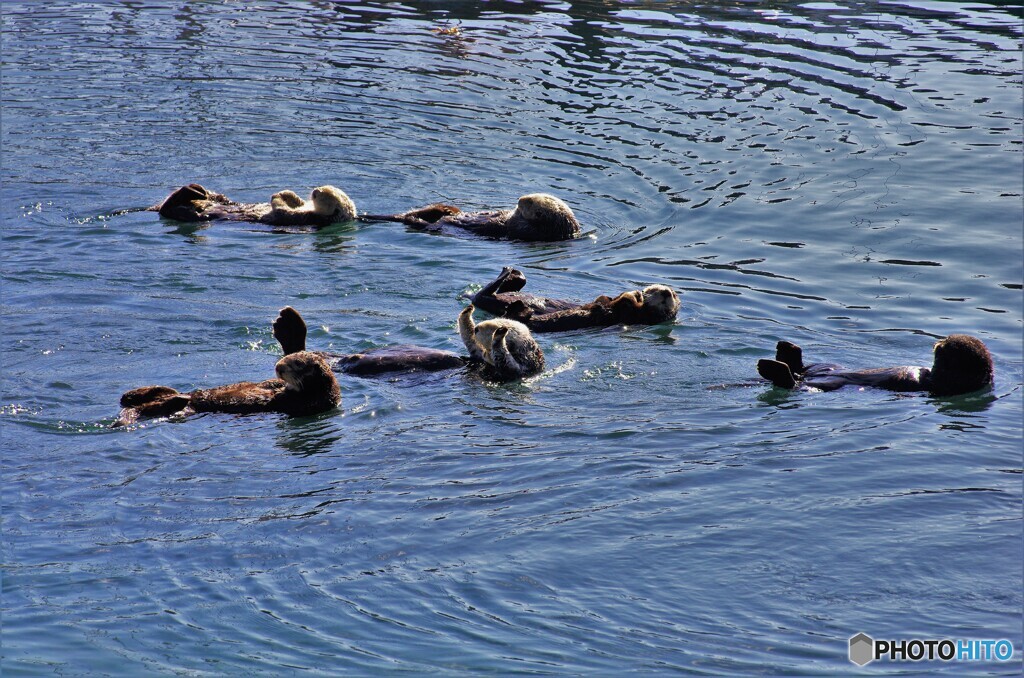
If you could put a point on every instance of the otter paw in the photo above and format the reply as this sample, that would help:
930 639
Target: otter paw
286 199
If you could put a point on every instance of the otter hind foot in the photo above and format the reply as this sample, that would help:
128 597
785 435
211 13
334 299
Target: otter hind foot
510 280
776 372
290 331
791 354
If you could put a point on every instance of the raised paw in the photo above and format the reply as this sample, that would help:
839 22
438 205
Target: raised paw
286 199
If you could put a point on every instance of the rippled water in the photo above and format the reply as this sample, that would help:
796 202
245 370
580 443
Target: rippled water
843 175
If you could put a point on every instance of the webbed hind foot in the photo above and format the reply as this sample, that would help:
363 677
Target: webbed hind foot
776 372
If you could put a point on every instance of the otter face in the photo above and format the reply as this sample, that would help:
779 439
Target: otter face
662 300
544 217
297 369
484 334
330 201
962 365
515 333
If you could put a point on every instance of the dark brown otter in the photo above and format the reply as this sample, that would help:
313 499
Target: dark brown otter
305 385
962 365
501 297
537 217
290 331
327 205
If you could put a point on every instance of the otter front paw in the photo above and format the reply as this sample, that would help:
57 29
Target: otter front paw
286 200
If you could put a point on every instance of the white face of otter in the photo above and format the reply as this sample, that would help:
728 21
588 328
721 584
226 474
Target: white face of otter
662 299
331 201
541 207
484 333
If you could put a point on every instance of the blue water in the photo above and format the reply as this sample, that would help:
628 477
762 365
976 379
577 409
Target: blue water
844 175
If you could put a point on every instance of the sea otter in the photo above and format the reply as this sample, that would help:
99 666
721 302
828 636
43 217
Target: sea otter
652 305
538 216
305 386
327 205
502 350
290 331
505 346
962 364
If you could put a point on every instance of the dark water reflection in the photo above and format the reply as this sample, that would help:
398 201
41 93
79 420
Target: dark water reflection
842 175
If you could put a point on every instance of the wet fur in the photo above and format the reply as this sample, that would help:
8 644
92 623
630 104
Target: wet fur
962 364
506 346
652 305
537 217
305 385
194 202
290 330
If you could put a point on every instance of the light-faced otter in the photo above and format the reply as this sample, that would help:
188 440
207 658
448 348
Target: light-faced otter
305 385
501 297
327 205
505 346
962 365
290 331
538 217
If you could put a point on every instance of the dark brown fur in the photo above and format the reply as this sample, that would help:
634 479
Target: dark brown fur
502 298
537 217
962 365
195 203
307 386
290 330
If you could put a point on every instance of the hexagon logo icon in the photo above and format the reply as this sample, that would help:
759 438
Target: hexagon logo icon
862 649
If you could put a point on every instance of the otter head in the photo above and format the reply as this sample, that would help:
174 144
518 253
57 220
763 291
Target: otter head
661 302
548 217
484 334
303 370
962 364
489 332
332 202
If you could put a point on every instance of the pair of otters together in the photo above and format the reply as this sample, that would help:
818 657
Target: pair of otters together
504 349
537 217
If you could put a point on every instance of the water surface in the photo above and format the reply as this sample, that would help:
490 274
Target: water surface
842 175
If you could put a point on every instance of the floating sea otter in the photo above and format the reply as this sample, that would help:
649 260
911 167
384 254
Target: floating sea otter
327 205
505 346
537 216
305 386
505 350
962 365
650 306
290 332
